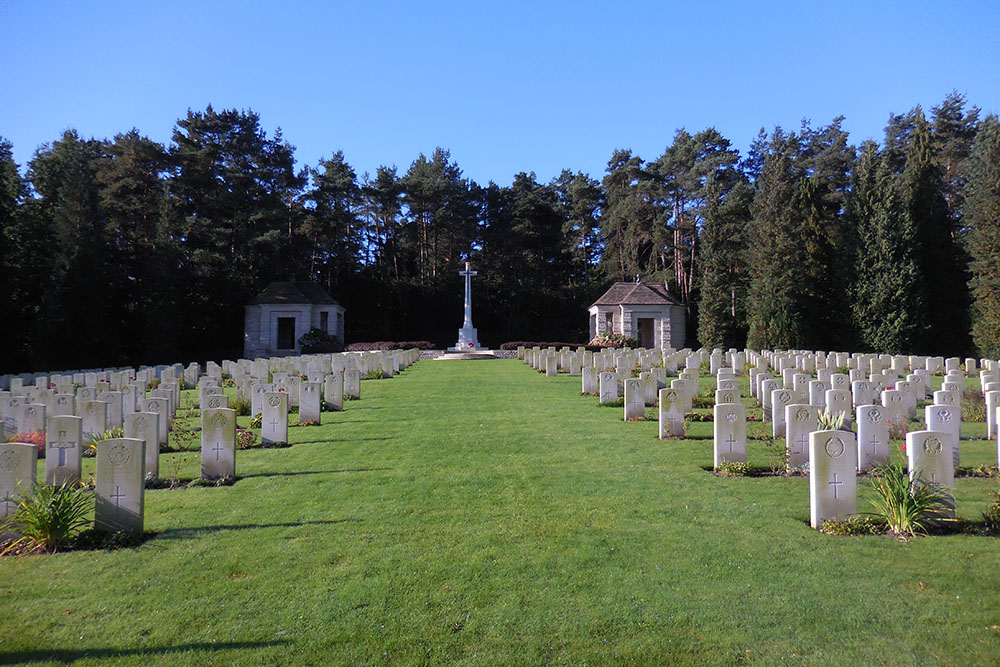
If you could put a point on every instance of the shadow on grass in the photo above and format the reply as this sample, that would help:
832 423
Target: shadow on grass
67 655
183 533
312 472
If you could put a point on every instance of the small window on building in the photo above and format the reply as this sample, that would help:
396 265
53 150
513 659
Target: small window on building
324 321
609 322
286 333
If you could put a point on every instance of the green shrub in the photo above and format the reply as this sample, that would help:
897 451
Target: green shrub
906 506
733 469
973 407
221 481
242 406
699 401
854 525
52 516
991 517
257 420
316 340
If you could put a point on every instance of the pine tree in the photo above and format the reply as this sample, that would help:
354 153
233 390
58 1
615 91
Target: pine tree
776 257
982 205
887 295
723 266
940 262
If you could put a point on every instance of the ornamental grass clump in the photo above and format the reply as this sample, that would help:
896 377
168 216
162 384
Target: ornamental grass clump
90 447
52 516
907 506
828 421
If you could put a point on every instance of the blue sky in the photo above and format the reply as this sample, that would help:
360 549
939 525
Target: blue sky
506 87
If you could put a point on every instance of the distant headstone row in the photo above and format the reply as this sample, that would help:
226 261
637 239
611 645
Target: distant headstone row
74 408
877 393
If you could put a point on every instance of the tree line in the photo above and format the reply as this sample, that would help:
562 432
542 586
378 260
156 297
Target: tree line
127 251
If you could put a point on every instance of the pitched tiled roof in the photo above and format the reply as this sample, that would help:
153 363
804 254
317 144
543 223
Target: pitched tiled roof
637 294
294 292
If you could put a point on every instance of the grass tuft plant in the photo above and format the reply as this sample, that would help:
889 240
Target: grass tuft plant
991 517
90 447
907 506
829 421
52 516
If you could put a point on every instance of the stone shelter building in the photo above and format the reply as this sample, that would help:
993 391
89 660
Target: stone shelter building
644 311
283 312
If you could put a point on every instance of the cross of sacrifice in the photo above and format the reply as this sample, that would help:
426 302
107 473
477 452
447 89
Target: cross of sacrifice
731 441
118 495
835 484
218 448
62 445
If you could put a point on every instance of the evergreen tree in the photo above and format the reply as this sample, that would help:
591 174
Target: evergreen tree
17 256
777 256
723 266
982 205
939 259
888 293
234 212
67 216
628 218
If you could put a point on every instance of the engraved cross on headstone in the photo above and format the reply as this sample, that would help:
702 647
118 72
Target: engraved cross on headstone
62 445
835 484
874 443
7 501
118 495
731 441
218 448
800 443
274 424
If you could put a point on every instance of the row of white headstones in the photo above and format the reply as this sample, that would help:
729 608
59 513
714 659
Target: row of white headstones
792 403
119 399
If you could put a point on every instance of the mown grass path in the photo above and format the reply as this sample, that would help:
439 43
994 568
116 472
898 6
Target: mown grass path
476 512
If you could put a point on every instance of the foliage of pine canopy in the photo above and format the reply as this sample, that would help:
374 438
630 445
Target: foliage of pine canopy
126 251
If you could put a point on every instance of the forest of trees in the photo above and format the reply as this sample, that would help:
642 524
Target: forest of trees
125 251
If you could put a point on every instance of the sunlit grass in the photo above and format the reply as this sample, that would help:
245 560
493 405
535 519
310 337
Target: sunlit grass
478 512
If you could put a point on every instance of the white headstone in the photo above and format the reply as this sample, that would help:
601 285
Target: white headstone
309 402
873 437
671 416
800 420
730 433
635 399
608 387
352 383
929 460
833 482
63 437
119 491
218 443
274 418
145 426
946 419
18 466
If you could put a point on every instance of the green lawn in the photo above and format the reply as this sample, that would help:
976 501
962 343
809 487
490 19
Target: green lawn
477 512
